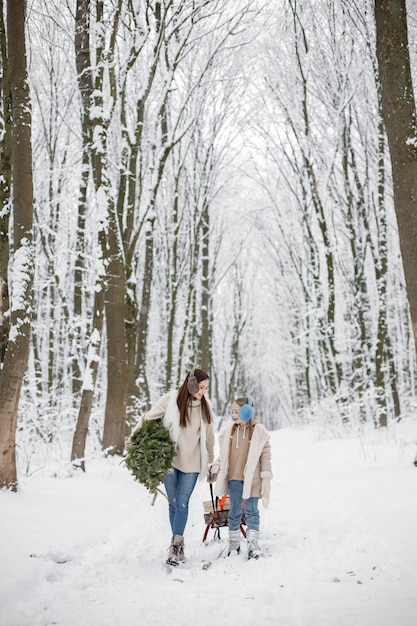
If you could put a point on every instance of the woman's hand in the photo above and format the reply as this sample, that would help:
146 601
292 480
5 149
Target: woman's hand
213 470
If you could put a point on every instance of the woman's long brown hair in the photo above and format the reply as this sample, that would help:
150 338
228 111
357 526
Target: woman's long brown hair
184 399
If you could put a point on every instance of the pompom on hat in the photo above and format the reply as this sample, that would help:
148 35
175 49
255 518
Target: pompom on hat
246 411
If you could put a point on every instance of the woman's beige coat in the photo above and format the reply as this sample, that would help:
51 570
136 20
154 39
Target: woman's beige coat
202 443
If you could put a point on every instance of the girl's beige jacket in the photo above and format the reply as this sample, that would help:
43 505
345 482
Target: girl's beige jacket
258 465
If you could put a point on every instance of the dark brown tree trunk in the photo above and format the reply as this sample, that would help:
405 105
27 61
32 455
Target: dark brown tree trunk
15 362
91 89
5 187
85 84
399 114
114 299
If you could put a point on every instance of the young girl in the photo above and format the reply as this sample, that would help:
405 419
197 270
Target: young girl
187 415
243 470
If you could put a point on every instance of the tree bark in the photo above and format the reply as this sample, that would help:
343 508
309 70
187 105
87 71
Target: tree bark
14 367
399 114
114 302
5 188
90 376
91 85
85 84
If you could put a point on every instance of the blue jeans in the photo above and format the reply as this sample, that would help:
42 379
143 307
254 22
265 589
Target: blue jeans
250 510
179 487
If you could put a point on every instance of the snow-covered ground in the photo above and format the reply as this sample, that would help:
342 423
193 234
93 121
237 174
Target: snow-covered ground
340 542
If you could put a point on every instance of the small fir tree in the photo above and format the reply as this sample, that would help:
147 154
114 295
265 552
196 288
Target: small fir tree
150 455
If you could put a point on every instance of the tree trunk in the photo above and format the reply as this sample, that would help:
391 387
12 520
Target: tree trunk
5 188
91 85
115 415
84 77
143 323
381 271
205 335
81 429
399 114
11 376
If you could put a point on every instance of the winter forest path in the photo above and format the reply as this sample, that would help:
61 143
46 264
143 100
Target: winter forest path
339 540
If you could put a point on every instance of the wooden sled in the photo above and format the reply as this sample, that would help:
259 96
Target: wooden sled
216 515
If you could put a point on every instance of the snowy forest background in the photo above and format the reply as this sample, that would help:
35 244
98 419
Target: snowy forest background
212 187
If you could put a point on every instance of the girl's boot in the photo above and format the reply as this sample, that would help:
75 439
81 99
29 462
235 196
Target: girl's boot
252 537
234 541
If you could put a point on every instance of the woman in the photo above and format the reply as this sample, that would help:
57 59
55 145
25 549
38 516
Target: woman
187 415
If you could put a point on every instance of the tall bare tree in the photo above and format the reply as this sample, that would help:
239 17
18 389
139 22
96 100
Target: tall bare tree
399 114
5 186
95 125
15 362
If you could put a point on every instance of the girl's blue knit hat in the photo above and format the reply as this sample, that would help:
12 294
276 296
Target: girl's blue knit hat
246 411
